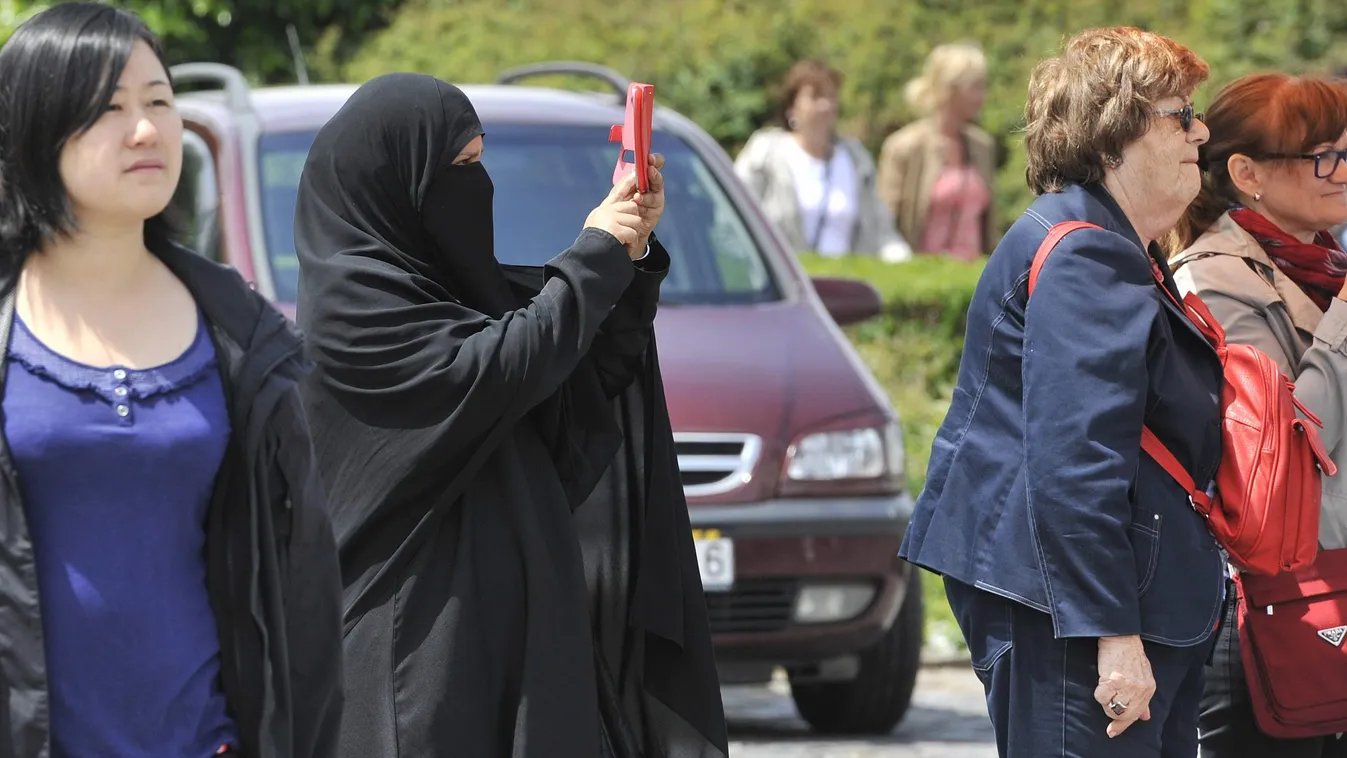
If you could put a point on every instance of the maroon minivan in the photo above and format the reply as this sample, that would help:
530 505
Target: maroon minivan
791 455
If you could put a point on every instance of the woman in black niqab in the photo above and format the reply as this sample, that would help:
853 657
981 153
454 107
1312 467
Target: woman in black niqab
519 573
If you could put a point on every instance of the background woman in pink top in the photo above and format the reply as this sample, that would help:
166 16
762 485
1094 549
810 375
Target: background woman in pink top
935 174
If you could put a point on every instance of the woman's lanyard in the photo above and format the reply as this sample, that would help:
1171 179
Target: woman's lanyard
823 204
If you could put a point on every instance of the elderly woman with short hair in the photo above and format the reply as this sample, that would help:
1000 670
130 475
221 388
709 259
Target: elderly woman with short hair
1086 586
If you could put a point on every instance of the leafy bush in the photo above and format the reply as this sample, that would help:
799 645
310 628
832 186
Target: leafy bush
252 35
719 61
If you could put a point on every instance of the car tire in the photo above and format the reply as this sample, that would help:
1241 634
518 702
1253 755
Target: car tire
878 698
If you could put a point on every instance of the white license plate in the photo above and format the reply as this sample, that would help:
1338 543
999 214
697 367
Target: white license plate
715 559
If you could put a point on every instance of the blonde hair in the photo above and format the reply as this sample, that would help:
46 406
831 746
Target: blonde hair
948 69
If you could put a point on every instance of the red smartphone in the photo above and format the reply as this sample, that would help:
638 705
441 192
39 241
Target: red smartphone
634 134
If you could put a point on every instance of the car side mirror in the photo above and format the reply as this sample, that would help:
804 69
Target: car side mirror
849 301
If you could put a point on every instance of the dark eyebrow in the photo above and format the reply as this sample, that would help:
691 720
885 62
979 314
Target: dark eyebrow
155 83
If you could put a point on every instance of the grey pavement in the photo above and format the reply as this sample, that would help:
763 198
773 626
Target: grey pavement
948 719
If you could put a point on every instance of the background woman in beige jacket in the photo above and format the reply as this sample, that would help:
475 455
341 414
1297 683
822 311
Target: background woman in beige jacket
1255 247
935 174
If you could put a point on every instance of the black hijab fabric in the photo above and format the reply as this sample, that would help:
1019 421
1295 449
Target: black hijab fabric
373 179
493 442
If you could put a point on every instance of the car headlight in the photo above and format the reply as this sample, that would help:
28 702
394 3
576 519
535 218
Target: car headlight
866 453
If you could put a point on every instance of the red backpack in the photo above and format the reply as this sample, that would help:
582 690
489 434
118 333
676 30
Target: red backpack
1266 509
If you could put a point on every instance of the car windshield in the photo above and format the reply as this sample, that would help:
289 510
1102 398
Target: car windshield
548 178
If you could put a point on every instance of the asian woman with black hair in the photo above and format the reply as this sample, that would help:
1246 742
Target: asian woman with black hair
168 573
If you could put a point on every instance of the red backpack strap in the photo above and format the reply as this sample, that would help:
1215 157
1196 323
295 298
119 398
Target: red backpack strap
1055 235
1205 323
1192 307
1161 455
1201 315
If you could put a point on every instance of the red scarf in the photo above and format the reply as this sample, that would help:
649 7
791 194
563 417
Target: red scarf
1318 268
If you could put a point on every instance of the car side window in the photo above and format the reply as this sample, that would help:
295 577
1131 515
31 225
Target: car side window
196 201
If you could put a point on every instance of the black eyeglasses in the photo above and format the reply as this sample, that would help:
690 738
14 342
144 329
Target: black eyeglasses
1325 163
1185 115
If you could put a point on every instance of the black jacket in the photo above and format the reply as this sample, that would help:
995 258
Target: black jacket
271 573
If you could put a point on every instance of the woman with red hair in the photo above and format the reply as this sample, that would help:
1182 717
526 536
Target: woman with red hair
1255 246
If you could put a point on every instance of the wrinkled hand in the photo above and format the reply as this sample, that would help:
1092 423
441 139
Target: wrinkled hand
651 205
619 215
1124 678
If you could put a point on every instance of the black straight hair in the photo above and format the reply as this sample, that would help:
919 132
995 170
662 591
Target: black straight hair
58 72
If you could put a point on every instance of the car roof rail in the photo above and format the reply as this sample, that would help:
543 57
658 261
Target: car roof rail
613 79
230 79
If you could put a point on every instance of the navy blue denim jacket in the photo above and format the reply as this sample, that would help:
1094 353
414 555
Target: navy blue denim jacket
1037 488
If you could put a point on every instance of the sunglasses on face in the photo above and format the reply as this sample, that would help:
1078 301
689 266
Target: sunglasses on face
1185 114
1325 162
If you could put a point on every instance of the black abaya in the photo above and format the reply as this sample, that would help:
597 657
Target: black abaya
483 439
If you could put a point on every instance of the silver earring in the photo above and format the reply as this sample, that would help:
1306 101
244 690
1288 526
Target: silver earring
1257 197
1113 161
793 123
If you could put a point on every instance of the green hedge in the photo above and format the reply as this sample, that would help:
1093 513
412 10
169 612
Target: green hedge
913 350
930 290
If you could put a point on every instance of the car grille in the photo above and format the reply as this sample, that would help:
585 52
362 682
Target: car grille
754 605
715 463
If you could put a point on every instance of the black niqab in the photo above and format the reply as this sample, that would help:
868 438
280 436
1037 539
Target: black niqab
464 422
380 194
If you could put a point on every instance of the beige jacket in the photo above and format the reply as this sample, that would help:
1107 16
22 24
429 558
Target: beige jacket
1259 305
764 165
909 163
